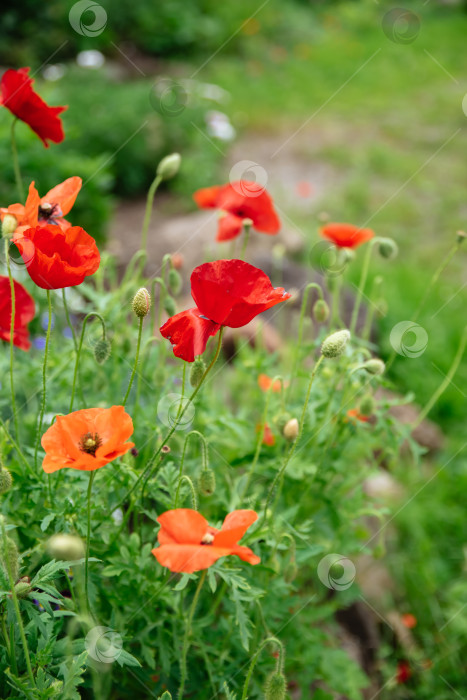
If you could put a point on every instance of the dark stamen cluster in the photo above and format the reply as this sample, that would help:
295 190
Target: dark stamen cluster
89 442
49 211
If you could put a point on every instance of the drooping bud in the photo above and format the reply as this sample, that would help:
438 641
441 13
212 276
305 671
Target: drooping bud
291 430
169 305
334 345
367 405
174 280
198 369
9 557
5 480
388 248
141 302
207 482
169 166
275 687
102 350
321 311
64 547
290 571
9 225
374 366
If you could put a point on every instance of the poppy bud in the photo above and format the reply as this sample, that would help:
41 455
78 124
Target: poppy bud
5 480
169 305
198 369
9 225
207 482
321 311
275 687
175 281
290 571
374 366
65 547
9 557
461 236
367 405
23 587
334 345
102 351
388 248
291 429
141 302
169 166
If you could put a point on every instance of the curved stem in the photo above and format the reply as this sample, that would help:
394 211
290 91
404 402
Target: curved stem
147 214
138 347
88 541
204 453
186 478
361 285
186 639
298 345
12 336
78 353
44 377
18 178
279 665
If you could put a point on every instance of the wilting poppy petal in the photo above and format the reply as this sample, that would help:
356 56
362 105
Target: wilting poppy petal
189 332
24 313
346 235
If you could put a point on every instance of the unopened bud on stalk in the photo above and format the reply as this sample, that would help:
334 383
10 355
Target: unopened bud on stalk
207 482
169 305
374 366
141 302
290 571
5 479
388 248
9 225
281 420
169 166
175 281
9 557
334 345
64 547
461 236
198 369
23 587
321 311
102 351
275 687
291 429
367 405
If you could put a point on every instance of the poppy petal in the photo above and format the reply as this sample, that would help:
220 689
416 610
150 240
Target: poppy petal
183 526
230 226
187 558
207 198
189 332
64 194
346 235
234 527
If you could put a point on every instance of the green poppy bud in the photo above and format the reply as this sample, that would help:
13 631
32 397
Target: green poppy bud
388 248
367 405
23 587
64 547
321 311
169 305
9 557
9 225
5 480
275 687
374 366
334 345
175 281
461 236
169 166
291 430
207 482
102 351
141 302
198 369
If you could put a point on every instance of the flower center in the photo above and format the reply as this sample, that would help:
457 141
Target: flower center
207 538
89 442
49 211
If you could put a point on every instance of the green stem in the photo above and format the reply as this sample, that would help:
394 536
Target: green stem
16 606
67 315
186 639
194 500
204 453
12 335
163 290
361 285
291 452
18 178
298 344
138 347
78 353
279 665
44 377
88 541
246 238
17 448
147 215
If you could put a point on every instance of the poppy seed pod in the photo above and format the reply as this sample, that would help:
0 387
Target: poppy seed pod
141 302
374 366
9 225
198 369
367 405
334 345
9 557
169 305
169 166
207 482
291 430
102 351
174 280
388 248
65 547
5 480
275 687
321 311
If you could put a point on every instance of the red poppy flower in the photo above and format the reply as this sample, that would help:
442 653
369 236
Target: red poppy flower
18 96
265 382
409 620
24 313
355 413
47 210
268 436
87 440
238 201
404 672
346 235
56 259
187 542
227 293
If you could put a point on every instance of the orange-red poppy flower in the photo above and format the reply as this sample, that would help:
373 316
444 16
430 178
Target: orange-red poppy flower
346 235
24 313
187 542
18 96
265 382
56 259
409 620
355 413
237 201
268 436
43 211
87 439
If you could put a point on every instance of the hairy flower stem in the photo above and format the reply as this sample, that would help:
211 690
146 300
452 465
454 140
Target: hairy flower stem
204 458
18 178
78 353
88 542
14 598
186 638
298 344
279 665
44 379
138 347
292 449
361 285
147 215
12 334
